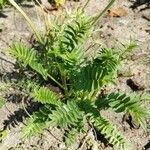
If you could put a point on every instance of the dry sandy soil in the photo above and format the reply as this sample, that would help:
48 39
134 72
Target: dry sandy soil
132 23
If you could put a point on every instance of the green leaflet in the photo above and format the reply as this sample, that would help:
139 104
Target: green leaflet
97 73
110 133
2 102
66 115
29 57
46 96
129 104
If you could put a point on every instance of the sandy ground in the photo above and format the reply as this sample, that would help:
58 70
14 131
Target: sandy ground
135 24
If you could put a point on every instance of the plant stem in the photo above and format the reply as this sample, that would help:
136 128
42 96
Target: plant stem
61 86
31 24
97 17
85 4
44 16
93 96
23 105
63 78
65 86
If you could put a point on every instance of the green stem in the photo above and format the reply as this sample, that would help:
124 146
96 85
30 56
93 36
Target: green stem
97 17
93 96
65 85
52 78
31 24
63 78
85 4
63 82
43 14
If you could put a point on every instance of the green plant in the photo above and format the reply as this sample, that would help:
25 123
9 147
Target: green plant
3 3
62 59
2 102
59 2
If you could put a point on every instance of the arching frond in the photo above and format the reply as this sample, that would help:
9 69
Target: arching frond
98 73
75 31
32 128
40 94
103 125
110 133
71 137
67 46
37 122
29 57
46 96
123 103
66 115
28 85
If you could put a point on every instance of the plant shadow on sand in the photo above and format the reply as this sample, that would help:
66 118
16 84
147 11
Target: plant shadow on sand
19 115
138 3
25 104
2 15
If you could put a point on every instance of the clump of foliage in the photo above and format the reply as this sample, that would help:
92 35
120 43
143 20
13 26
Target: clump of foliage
3 3
61 58
57 3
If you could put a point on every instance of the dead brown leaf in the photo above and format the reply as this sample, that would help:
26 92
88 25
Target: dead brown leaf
118 12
